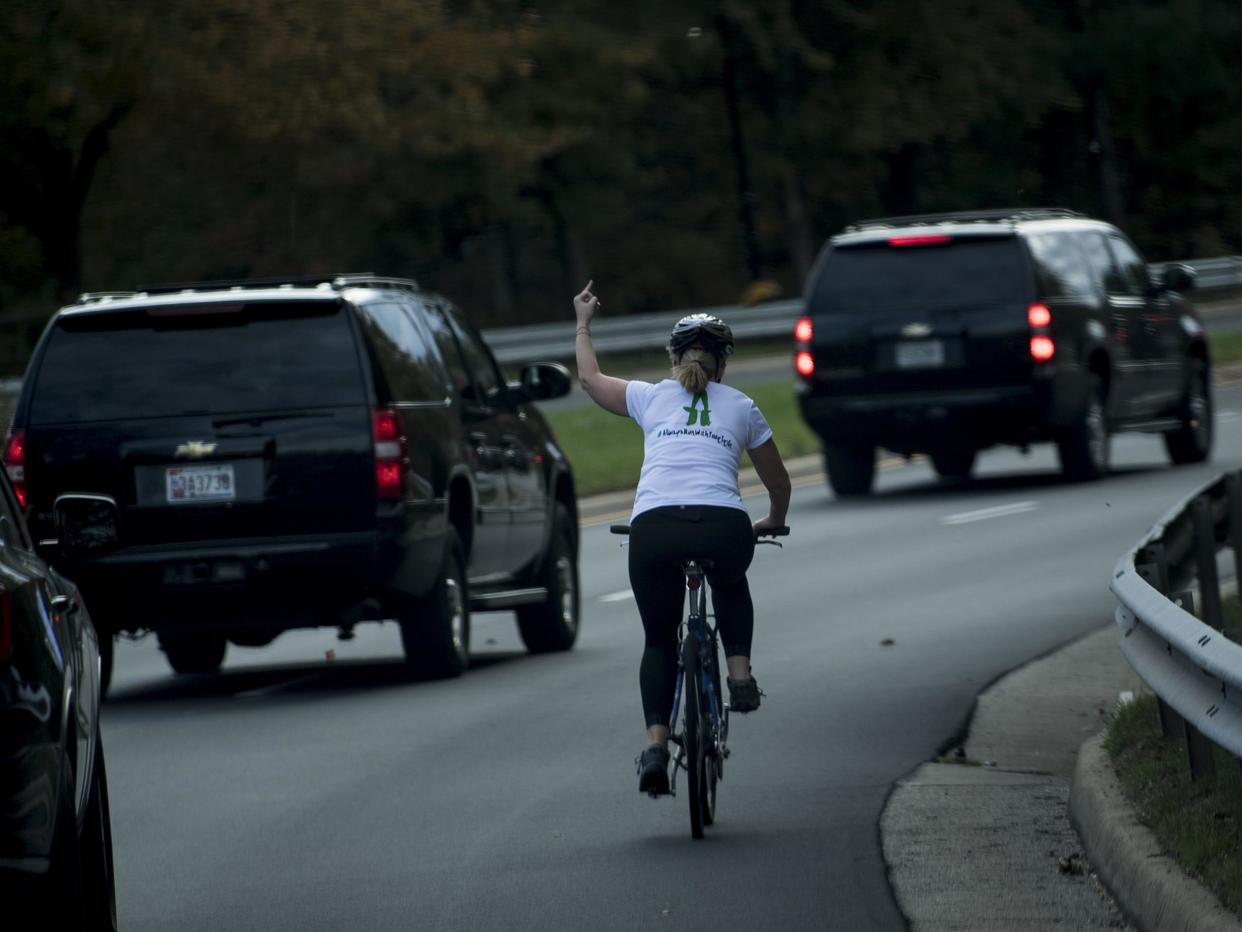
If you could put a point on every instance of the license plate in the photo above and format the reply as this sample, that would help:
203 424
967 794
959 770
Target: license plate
921 354
200 483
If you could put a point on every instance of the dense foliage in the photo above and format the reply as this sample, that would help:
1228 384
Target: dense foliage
677 152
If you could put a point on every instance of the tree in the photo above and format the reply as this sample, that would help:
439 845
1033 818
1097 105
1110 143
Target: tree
72 75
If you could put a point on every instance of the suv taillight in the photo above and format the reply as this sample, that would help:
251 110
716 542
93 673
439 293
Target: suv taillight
1040 320
389 452
935 239
15 463
804 362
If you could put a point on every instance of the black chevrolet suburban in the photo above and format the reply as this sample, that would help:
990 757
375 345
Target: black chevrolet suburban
945 334
226 461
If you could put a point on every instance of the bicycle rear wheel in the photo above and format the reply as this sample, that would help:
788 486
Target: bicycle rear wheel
695 737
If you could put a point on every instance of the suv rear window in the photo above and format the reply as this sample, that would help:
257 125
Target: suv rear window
960 274
161 362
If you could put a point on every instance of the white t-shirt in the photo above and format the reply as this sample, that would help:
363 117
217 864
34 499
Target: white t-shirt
692 444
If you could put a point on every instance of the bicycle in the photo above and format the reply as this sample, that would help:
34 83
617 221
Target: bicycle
702 742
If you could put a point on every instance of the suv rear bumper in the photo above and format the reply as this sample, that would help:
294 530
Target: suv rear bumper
918 422
272 584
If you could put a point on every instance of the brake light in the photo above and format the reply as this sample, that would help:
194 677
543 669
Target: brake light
1042 348
6 626
389 452
804 364
15 463
935 239
804 330
1040 319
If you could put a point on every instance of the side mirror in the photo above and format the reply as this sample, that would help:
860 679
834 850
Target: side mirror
542 381
86 525
1177 277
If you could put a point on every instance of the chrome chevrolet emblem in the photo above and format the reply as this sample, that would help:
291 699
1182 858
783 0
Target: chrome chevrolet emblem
916 330
194 449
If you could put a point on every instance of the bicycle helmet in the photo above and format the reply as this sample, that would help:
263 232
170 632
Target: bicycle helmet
707 329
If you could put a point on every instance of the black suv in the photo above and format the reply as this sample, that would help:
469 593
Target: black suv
945 334
226 461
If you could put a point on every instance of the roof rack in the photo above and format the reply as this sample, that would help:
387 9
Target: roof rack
335 282
370 279
94 297
999 215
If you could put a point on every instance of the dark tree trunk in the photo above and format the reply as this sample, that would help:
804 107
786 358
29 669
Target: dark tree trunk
899 193
1103 148
66 186
737 141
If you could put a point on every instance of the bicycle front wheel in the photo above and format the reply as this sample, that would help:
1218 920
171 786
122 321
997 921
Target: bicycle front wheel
696 736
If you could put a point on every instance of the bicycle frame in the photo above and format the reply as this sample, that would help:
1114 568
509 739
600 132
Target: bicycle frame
698 624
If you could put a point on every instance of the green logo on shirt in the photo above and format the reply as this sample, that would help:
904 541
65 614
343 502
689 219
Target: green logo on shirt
704 416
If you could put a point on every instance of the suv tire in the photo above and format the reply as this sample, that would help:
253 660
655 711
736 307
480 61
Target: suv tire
194 653
954 464
552 625
1084 448
436 632
850 467
1192 441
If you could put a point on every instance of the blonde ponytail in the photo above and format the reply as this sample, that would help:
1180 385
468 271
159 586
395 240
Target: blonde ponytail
695 369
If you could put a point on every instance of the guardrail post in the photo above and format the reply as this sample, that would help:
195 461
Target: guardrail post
1233 486
1154 568
1198 748
1198 752
1205 555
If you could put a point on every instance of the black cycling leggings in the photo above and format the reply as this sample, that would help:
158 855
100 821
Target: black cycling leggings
661 540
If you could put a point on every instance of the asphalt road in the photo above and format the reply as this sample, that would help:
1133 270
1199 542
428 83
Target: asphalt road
297 792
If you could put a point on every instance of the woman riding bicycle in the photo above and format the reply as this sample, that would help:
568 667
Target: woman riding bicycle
688 507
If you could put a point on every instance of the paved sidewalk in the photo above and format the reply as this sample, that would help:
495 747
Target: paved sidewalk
994 846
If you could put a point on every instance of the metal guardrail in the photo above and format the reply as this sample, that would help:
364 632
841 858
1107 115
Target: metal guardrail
1193 664
774 319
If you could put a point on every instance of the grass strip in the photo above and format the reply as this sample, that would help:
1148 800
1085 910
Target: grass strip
1225 347
1199 823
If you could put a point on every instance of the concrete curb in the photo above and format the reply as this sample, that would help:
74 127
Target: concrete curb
1147 883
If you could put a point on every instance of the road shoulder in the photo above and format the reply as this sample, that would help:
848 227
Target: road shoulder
991 845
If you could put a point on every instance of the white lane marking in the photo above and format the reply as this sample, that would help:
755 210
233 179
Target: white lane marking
617 596
999 511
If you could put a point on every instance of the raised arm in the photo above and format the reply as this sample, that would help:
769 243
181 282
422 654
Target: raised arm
605 390
772 473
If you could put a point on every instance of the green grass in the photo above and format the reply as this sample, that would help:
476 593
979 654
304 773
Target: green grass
1198 823
1226 347
607 451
